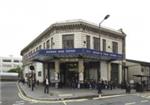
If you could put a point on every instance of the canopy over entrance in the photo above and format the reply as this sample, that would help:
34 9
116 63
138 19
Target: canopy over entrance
48 54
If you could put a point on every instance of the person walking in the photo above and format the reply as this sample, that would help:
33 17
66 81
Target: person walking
99 87
46 83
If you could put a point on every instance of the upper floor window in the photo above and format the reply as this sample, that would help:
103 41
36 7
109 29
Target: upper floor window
88 41
52 43
47 44
40 46
96 44
6 60
114 47
33 50
17 61
68 41
36 48
44 45
104 44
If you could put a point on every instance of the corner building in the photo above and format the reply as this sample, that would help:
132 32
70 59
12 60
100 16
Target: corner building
76 50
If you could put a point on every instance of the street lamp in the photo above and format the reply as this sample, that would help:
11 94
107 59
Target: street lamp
106 17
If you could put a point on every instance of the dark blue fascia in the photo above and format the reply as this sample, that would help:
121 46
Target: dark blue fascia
76 52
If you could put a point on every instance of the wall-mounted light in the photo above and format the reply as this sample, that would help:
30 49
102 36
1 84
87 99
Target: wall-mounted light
84 42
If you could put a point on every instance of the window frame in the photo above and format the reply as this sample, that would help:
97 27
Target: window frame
96 43
115 47
68 43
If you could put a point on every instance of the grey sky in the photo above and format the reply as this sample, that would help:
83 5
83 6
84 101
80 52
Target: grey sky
23 20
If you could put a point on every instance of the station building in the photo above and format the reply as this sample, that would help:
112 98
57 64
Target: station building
76 50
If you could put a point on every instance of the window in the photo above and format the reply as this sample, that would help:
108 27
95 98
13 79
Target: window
52 43
88 41
96 43
104 44
68 41
16 61
33 51
40 47
36 48
44 45
47 44
39 73
6 60
114 47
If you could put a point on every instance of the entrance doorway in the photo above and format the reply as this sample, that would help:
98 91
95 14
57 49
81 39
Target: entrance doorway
115 74
68 74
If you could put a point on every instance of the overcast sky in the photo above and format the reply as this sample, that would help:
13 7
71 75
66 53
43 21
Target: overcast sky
23 20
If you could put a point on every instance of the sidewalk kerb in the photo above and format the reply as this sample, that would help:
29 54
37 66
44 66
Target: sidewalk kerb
69 98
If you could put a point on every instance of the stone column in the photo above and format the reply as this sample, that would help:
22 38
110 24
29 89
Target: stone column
81 72
120 73
45 72
57 70
109 71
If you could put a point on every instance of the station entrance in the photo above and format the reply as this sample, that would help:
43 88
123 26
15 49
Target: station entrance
115 74
68 74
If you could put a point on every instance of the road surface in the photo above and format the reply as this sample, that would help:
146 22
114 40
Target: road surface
11 96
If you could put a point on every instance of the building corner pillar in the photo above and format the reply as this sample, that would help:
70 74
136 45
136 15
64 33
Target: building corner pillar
81 72
56 73
109 71
120 73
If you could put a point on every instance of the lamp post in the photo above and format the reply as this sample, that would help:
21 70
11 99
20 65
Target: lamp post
106 17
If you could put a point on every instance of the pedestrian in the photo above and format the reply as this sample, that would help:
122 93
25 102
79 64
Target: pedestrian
111 85
128 88
32 84
73 83
46 83
99 87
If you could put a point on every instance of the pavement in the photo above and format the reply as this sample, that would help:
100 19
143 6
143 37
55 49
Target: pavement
65 93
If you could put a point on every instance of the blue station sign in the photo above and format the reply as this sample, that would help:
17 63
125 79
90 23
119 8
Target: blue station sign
87 53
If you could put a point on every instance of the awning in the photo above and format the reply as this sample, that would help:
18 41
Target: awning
44 54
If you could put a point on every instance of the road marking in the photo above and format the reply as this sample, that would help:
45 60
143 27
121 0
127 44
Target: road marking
143 96
144 101
76 100
148 96
103 97
19 101
131 103
62 95
64 103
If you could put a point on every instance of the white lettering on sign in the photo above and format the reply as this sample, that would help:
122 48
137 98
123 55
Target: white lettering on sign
88 51
106 54
113 55
70 51
50 51
95 52
61 51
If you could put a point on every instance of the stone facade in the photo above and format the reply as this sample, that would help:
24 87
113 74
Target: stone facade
80 62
